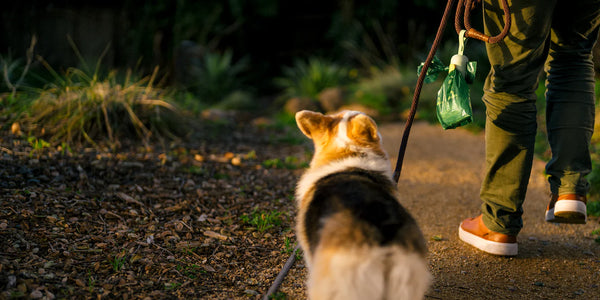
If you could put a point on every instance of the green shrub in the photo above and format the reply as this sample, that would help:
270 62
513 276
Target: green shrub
594 179
218 76
593 208
308 78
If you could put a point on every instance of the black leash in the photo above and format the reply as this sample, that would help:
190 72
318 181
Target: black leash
417 94
279 279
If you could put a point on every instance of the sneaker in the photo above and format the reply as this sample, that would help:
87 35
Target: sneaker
568 208
473 232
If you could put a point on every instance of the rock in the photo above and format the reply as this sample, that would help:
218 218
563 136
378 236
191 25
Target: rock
36 294
214 114
331 99
12 281
251 292
296 104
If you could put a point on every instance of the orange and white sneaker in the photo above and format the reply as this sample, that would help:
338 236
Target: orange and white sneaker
473 232
567 208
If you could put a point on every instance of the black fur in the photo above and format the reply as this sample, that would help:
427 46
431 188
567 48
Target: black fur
369 197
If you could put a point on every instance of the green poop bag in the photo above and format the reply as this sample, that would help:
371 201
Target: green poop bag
453 105
453 99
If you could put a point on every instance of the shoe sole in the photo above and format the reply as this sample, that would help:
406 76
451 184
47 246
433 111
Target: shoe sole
567 212
491 247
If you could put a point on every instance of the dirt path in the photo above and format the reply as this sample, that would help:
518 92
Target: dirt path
441 177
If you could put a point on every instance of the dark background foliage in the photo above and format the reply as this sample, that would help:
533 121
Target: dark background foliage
269 33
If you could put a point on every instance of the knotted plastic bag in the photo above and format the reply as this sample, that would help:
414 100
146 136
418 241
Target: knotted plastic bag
435 68
453 105
453 98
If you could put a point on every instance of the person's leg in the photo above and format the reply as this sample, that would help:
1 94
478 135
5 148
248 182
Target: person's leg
570 107
509 96
570 95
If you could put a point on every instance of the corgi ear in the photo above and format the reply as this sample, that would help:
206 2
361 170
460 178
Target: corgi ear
309 122
363 129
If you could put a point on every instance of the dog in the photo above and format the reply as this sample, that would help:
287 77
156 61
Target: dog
357 239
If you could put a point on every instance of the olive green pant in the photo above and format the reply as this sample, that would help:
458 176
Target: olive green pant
556 37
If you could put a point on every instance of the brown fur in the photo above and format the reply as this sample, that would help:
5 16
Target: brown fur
358 241
322 129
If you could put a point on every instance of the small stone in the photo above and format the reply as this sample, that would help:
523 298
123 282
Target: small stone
12 281
36 294
49 295
189 184
113 187
251 292
579 292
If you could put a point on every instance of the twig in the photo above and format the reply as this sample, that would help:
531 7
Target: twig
103 223
115 215
186 225
29 55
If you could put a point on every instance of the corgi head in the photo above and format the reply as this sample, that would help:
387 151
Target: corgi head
346 134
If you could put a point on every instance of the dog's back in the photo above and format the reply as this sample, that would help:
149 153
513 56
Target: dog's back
358 241
364 245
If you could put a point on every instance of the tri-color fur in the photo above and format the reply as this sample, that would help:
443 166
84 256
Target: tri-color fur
358 241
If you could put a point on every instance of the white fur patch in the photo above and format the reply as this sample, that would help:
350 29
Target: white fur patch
342 135
368 273
372 162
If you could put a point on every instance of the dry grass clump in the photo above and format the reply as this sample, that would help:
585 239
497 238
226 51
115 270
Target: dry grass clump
80 107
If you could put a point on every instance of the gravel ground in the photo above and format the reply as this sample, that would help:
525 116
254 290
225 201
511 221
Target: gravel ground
440 182
211 219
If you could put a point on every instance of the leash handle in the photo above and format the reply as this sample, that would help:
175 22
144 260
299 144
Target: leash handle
465 8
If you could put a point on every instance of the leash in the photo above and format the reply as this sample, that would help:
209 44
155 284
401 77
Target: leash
279 279
463 10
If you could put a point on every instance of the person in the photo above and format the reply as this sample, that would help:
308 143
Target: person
556 37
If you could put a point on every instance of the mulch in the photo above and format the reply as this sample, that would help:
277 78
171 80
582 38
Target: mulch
210 217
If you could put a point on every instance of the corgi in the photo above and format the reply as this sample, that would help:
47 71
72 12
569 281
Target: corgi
357 239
